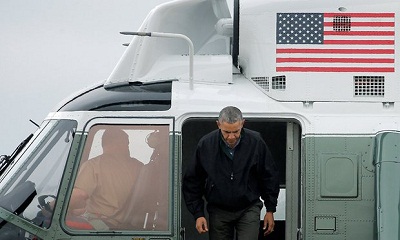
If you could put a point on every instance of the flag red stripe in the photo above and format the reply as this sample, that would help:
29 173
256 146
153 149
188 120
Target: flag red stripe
360 42
333 69
337 60
336 51
360 33
366 15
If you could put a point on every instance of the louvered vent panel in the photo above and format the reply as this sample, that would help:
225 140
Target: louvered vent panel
263 82
341 23
369 86
279 82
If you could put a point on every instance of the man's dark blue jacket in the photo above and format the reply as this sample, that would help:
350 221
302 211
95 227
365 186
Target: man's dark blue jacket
231 183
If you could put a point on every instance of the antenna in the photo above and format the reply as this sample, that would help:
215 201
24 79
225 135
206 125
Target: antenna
37 125
171 35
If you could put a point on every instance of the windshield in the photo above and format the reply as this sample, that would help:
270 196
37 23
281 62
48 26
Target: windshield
34 179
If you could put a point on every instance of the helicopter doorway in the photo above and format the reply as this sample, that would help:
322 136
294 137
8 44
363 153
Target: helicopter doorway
283 140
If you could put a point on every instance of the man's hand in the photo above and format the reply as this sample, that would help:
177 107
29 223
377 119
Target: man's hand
269 223
201 225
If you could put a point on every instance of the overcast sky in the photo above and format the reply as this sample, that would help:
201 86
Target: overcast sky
51 49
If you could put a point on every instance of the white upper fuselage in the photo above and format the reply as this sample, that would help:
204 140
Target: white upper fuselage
323 100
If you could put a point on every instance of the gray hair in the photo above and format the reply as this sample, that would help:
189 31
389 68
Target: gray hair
230 114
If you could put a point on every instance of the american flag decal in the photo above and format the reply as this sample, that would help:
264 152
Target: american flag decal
335 42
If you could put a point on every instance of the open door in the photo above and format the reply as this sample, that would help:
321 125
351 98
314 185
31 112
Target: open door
283 139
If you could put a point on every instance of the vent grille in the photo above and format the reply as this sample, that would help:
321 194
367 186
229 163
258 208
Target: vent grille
342 23
279 82
369 86
263 82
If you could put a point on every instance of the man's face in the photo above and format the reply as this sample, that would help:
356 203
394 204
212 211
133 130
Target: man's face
230 131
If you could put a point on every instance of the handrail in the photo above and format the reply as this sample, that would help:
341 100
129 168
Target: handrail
171 35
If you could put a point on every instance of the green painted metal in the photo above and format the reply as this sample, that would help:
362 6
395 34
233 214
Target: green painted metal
388 185
339 201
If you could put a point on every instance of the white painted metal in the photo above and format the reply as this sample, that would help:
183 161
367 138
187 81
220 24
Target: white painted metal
258 51
149 59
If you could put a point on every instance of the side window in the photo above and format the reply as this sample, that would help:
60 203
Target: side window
123 179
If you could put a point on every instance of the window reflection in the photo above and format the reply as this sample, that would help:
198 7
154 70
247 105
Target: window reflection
150 202
122 182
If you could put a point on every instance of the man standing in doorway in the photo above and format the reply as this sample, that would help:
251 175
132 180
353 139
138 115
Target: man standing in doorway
232 168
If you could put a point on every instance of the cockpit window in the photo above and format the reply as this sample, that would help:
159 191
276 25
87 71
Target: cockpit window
31 185
123 180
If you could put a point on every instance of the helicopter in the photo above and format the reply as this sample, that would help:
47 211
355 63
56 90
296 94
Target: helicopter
317 79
